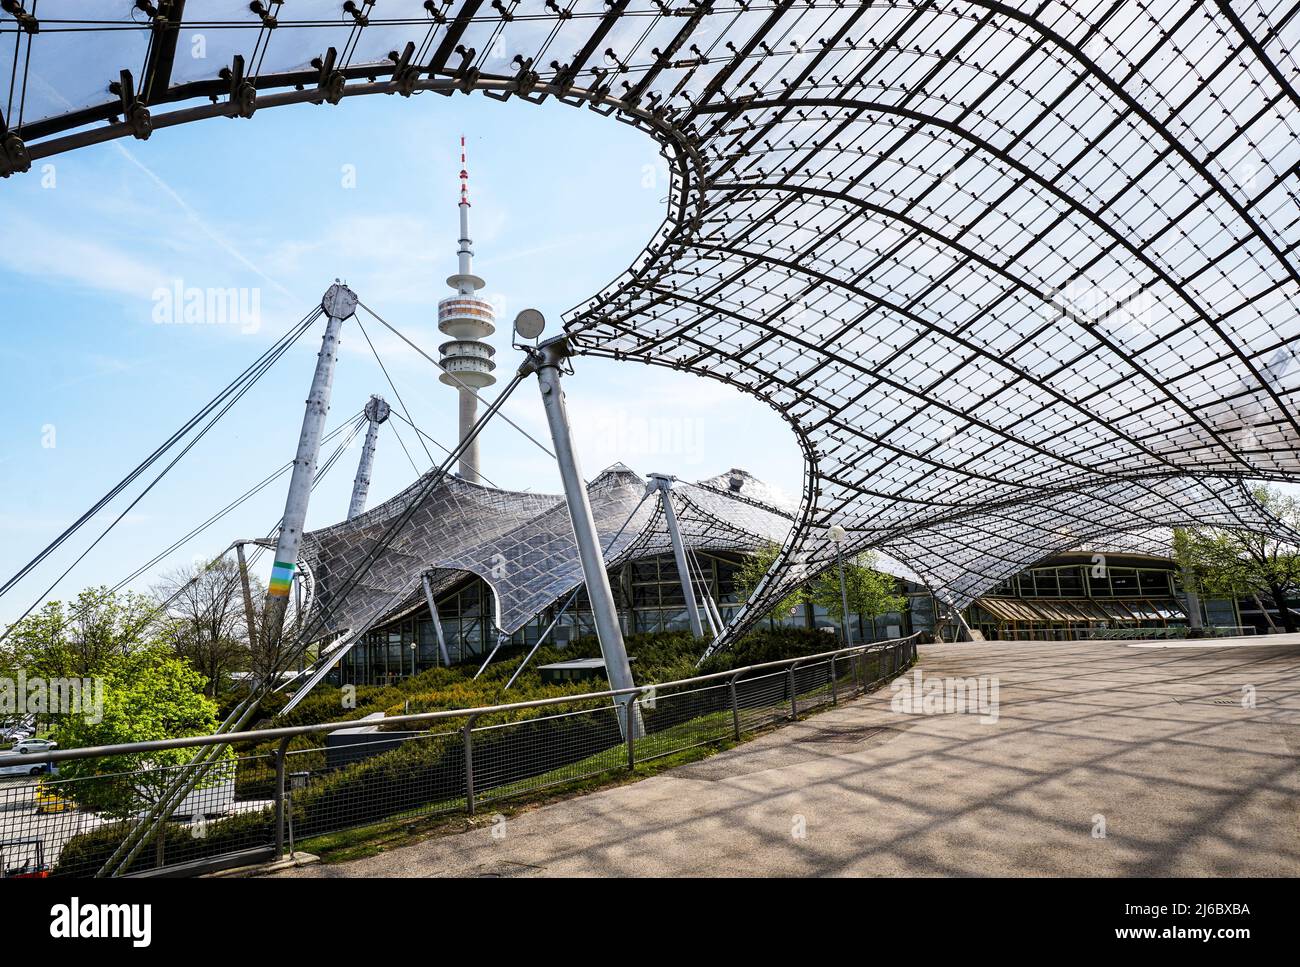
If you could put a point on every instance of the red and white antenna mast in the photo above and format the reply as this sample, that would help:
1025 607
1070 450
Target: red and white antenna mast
468 319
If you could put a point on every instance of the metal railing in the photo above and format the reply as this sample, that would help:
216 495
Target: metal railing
277 787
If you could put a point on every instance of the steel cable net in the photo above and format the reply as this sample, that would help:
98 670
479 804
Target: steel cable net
1017 274
521 544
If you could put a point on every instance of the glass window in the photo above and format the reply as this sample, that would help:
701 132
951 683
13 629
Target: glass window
1071 582
1045 584
1123 580
1099 582
1154 582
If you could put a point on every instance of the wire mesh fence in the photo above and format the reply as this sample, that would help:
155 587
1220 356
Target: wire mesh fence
259 794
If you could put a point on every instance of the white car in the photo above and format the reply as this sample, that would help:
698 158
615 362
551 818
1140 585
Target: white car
23 769
30 746
16 729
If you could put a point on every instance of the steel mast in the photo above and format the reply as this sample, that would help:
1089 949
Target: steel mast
376 411
546 362
339 304
663 483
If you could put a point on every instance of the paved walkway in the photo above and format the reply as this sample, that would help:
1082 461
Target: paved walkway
1153 741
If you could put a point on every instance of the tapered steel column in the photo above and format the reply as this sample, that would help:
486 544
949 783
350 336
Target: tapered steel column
376 412
844 598
250 614
1194 623
663 483
546 361
437 622
339 304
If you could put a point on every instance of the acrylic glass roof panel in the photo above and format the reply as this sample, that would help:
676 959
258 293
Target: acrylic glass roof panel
522 545
361 569
62 71
980 255
734 511
534 564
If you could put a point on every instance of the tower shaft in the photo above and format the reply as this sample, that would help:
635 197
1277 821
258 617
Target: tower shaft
468 319
469 456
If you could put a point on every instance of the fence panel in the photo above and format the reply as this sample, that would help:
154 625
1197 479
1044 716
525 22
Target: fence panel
269 790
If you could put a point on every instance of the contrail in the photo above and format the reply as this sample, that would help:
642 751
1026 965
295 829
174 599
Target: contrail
197 219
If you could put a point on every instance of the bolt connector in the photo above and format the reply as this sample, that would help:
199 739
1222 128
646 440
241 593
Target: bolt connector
550 354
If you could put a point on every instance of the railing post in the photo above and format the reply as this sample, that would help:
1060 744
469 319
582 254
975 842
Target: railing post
794 704
735 706
280 753
467 737
835 685
631 715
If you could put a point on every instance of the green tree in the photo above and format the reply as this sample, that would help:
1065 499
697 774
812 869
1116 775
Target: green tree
871 593
205 621
149 695
750 573
1236 563
81 639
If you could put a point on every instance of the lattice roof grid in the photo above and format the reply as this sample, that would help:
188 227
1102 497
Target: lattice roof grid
1015 273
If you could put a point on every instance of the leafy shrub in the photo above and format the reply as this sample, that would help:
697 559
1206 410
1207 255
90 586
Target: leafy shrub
85 853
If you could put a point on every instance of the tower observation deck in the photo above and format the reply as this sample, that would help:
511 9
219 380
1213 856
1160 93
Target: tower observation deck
467 319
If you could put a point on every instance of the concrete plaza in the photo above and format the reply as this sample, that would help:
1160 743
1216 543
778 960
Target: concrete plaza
1150 743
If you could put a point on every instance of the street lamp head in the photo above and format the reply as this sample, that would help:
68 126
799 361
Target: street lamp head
837 534
530 323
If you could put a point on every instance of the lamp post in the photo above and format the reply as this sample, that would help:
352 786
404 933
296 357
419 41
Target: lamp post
837 535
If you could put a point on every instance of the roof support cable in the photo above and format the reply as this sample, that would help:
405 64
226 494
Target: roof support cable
227 406
257 488
402 443
353 423
572 598
460 383
225 398
393 387
437 443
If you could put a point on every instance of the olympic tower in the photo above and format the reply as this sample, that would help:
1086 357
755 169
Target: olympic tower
467 319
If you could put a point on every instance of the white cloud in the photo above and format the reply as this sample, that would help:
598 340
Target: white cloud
50 255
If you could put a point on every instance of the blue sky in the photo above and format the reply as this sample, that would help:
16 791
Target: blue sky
277 207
